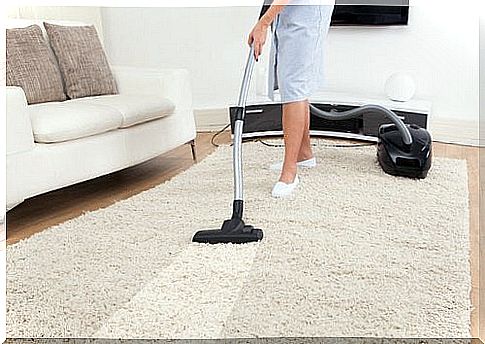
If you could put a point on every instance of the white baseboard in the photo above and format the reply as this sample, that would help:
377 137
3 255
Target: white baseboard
449 130
211 119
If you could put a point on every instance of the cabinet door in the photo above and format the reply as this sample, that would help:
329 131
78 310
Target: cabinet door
346 126
372 122
260 118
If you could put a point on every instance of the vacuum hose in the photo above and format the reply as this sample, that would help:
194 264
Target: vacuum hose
337 115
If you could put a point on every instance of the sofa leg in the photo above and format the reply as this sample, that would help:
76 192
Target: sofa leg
192 148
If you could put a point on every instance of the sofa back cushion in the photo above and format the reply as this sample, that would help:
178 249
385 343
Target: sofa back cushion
32 65
82 61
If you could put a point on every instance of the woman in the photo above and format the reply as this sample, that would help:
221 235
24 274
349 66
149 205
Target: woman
299 31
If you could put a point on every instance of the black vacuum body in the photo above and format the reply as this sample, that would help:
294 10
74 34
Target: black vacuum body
400 159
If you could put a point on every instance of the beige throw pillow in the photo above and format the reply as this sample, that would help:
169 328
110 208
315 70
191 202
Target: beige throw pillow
82 61
32 65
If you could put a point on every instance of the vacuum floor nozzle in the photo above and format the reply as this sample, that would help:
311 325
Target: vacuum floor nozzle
233 231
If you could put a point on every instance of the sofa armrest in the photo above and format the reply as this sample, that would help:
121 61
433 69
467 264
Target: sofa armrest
19 129
170 83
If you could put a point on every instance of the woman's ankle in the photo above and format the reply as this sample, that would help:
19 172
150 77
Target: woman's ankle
288 174
305 156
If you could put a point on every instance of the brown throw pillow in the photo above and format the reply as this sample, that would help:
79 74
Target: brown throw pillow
82 61
32 65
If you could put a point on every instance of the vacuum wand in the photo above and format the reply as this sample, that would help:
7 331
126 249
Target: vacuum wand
238 126
234 230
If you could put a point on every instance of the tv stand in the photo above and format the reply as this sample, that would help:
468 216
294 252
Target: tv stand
263 117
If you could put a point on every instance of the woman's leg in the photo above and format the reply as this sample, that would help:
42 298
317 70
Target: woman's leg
306 148
295 120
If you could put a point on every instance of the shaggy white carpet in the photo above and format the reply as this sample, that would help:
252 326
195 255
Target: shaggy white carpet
355 253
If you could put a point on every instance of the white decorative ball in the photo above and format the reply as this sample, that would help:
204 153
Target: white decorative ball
400 87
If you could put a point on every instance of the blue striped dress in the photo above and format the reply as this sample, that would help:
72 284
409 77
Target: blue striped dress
297 50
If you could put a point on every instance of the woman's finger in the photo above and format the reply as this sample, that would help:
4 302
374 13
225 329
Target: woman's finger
250 39
257 50
255 47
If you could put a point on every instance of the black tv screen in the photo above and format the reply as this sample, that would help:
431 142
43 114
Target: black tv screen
383 15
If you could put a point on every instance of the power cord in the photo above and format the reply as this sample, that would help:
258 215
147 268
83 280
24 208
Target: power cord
217 134
281 145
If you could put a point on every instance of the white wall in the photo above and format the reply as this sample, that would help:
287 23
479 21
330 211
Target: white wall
85 14
439 48
207 41
442 57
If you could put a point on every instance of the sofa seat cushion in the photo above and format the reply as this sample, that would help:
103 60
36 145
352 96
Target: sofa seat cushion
70 120
135 109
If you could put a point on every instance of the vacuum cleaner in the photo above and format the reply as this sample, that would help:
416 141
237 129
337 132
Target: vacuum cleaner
402 150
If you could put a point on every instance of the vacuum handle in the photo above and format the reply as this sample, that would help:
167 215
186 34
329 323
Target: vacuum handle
248 72
238 126
264 9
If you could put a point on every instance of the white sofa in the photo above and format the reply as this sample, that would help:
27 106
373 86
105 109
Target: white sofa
56 144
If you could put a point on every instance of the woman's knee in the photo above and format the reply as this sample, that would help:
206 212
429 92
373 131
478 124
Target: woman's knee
297 106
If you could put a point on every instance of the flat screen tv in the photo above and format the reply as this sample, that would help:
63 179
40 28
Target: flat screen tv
391 12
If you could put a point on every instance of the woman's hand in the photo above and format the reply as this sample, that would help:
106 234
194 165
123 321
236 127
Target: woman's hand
257 38
258 35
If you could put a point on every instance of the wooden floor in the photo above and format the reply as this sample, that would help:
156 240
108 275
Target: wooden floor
39 213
